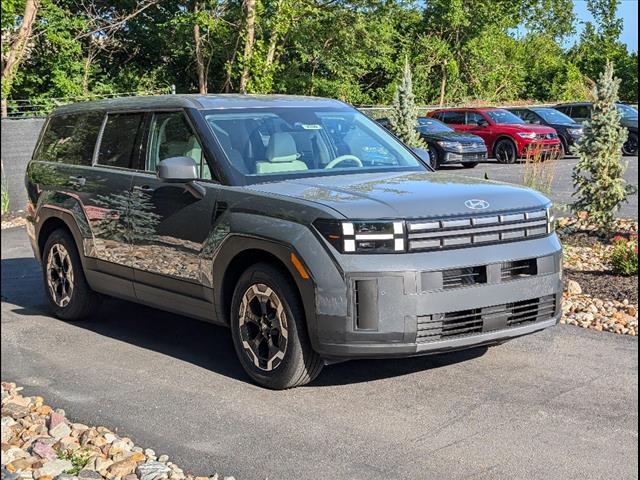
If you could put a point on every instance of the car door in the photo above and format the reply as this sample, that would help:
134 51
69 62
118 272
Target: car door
108 201
479 125
172 224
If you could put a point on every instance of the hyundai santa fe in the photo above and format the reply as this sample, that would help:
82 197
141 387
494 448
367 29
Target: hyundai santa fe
301 224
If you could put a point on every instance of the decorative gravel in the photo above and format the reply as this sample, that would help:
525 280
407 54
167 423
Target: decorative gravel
40 443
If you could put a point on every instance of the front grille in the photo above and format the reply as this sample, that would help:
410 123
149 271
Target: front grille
472 147
475 321
439 234
519 269
462 277
546 136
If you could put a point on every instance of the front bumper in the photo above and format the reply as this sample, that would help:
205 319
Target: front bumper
541 148
467 157
410 310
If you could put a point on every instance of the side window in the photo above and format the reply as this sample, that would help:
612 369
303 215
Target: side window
119 139
455 118
564 109
473 118
580 111
172 136
70 139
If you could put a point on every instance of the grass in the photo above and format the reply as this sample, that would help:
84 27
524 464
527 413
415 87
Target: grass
78 459
540 170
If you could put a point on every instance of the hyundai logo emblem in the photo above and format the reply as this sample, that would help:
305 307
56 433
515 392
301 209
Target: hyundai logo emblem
475 204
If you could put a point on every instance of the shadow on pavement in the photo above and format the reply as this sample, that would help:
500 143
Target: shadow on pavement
202 344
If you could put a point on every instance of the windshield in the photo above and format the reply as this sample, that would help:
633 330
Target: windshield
627 111
429 125
500 117
265 143
551 115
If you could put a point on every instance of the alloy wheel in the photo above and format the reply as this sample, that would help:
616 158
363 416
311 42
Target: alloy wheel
505 153
263 327
60 275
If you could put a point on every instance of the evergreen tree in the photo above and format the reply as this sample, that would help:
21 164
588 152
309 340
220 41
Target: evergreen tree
598 175
403 118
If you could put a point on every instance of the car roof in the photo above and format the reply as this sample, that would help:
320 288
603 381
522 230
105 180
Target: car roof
469 109
199 102
570 104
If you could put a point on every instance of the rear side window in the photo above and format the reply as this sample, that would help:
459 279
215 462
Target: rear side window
474 118
580 111
70 139
456 118
119 139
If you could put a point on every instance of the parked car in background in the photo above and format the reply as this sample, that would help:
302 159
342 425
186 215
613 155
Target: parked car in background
446 146
299 223
581 112
569 131
506 135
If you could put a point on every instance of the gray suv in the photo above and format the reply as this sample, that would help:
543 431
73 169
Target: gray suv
301 224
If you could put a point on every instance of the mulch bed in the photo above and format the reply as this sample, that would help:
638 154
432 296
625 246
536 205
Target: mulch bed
606 285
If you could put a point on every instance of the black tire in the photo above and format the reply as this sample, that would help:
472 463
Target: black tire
630 147
299 363
434 157
470 165
505 151
65 285
564 149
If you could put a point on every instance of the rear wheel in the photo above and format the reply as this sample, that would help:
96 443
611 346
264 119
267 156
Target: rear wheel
630 147
505 151
66 287
269 330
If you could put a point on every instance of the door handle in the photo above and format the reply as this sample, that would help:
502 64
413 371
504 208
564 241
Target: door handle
143 188
79 181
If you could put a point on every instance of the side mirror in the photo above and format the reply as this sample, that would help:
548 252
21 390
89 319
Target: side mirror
482 123
423 155
181 170
177 170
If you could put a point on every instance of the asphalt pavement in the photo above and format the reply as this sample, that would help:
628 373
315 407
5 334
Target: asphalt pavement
559 404
562 190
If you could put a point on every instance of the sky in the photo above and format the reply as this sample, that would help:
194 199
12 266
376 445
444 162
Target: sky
628 11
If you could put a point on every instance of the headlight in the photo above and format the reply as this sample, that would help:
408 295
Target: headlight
452 145
575 132
529 135
363 236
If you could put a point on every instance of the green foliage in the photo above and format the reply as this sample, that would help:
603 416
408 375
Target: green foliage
404 116
598 175
624 256
353 50
4 195
78 459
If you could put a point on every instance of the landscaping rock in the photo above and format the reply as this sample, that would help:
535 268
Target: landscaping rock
152 470
53 468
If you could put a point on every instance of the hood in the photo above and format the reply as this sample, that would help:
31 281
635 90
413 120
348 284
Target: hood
452 136
566 125
405 195
527 127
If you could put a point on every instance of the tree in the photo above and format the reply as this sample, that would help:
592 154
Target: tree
249 40
598 175
404 116
16 51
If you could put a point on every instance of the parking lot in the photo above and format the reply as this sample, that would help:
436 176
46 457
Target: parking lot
563 184
558 404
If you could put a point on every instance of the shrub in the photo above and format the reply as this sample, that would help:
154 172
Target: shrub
624 256
403 117
598 175
5 193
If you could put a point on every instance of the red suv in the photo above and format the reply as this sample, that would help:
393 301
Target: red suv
506 135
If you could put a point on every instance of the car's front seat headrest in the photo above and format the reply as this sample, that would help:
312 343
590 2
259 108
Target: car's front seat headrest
282 148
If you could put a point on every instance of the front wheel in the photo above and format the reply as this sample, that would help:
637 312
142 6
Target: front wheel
434 157
269 330
69 294
630 147
505 151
